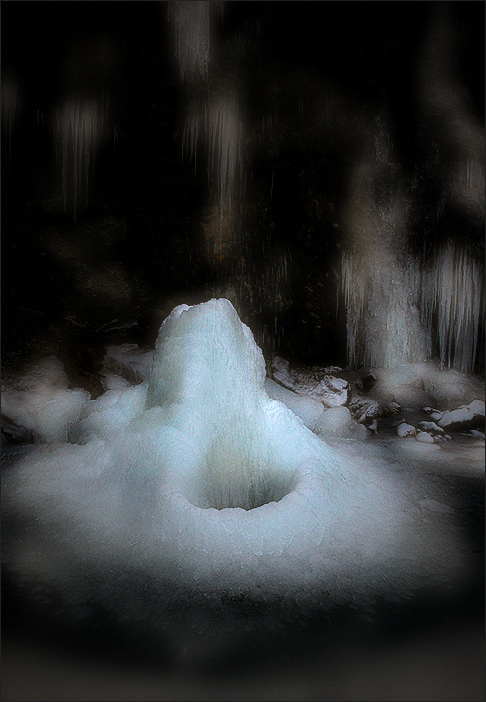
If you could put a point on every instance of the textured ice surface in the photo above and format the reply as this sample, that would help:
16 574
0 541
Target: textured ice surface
197 486
307 408
40 401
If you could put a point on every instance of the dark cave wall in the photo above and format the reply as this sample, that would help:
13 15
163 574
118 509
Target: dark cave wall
147 228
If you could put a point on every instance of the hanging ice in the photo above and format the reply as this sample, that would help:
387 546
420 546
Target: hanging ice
381 279
80 129
454 296
10 111
208 487
190 21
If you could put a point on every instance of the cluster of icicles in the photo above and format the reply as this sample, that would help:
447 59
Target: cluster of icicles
10 108
445 296
221 121
217 117
80 129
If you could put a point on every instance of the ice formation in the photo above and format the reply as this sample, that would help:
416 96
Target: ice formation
194 486
10 111
454 291
41 402
191 24
80 129
447 294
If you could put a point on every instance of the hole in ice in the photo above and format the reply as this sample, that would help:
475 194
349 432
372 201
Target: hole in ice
246 494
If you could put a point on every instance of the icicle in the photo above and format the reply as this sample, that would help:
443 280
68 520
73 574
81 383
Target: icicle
190 21
10 109
455 288
80 128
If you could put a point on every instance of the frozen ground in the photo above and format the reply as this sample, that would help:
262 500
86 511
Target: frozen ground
388 605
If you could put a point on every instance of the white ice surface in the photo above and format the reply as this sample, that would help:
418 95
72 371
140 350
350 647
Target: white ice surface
198 485
307 408
40 401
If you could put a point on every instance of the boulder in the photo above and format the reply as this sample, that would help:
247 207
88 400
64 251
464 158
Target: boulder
464 418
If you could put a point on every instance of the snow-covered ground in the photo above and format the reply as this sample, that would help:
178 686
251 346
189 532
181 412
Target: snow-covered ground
332 511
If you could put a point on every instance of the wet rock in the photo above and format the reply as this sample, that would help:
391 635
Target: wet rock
12 434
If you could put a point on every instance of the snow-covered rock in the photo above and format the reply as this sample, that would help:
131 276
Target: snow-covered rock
425 438
316 383
128 361
430 427
338 421
405 429
434 414
366 409
464 418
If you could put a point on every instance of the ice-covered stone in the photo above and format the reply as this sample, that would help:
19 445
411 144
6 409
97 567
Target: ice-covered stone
316 383
129 361
366 409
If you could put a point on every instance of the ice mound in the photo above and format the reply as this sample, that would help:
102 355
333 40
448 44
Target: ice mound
39 400
196 484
